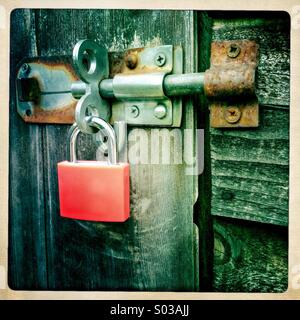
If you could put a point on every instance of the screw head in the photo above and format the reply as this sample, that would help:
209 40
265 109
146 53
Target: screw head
160 111
160 59
131 61
134 111
232 114
25 67
233 50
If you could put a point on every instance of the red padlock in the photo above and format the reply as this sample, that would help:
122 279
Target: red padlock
94 190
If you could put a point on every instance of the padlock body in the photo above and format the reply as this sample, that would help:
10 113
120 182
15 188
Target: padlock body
94 191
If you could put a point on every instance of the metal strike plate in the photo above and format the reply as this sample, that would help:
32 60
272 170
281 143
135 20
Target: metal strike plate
230 84
43 90
146 104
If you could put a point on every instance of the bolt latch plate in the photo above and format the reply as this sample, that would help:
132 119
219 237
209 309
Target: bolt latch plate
138 86
230 84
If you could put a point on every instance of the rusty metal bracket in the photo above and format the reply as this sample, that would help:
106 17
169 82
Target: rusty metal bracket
43 90
229 84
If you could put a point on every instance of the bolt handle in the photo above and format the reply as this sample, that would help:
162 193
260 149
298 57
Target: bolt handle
91 63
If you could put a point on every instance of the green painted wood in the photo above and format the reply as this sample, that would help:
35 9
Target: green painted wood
155 249
250 171
27 245
250 167
249 257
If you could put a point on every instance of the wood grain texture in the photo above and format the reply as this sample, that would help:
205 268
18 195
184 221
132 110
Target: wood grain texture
249 257
154 249
250 171
250 167
27 245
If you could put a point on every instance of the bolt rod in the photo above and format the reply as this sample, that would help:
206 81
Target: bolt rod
174 85
184 84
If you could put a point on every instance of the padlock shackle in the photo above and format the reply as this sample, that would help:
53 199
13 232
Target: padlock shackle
99 124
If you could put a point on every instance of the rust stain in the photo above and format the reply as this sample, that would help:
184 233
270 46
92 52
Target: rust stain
227 81
231 82
248 52
248 115
64 115
131 60
118 63
53 65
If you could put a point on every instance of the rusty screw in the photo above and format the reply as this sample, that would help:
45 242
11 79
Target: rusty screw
160 59
232 114
131 61
233 50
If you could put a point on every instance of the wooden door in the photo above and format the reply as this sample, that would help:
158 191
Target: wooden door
156 249
250 168
239 204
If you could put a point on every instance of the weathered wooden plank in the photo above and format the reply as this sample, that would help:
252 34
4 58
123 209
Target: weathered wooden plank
150 251
250 167
27 246
246 195
249 257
